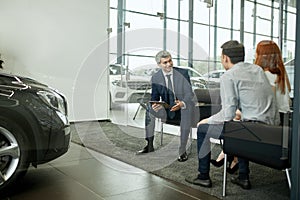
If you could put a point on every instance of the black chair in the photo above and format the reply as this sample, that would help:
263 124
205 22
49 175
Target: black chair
260 143
176 122
208 102
169 122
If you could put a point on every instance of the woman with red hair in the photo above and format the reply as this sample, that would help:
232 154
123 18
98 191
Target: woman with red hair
268 57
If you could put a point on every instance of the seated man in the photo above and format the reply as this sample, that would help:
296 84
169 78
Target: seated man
171 85
245 87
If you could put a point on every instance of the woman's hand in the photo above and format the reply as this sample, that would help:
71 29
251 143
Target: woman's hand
203 121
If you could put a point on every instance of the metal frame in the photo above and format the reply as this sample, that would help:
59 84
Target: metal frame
295 192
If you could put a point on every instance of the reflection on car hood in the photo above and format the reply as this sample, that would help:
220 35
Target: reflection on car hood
19 82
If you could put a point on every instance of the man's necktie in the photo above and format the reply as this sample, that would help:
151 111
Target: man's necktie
171 98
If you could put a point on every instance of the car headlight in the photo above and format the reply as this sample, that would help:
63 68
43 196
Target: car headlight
54 100
202 81
119 83
198 83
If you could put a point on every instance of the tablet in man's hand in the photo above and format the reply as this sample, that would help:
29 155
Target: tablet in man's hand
164 104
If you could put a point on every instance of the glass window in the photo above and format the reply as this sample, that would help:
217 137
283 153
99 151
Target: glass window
248 43
201 14
138 21
269 2
291 32
184 27
141 59
224 14
248 21
172 8
236 14
203 41
276 23
223 36
113 3
288 51
146 6
263 20
143 14
172 36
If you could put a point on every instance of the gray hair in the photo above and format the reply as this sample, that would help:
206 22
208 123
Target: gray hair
162 54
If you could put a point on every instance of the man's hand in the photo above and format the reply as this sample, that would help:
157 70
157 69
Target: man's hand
156 107
238 115
177 106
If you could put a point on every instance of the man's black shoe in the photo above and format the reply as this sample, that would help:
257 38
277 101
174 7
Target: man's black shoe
244 183
197 181
146 149
183 157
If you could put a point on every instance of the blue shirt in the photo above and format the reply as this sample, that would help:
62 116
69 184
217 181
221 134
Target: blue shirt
246 87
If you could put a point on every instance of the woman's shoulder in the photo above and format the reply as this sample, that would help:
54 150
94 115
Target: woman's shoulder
271 77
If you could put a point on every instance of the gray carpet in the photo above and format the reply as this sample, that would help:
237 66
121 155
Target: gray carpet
122 143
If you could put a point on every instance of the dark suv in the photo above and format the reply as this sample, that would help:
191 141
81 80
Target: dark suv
34 127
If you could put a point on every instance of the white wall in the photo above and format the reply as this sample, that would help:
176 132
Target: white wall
62 43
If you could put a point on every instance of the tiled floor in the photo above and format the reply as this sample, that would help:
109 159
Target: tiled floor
82 174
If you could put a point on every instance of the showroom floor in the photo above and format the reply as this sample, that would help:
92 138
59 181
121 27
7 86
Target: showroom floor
85 174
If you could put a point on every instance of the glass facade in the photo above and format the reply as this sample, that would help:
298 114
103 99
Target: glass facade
194 30
207 25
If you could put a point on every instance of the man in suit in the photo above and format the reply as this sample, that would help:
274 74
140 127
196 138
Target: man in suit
171 85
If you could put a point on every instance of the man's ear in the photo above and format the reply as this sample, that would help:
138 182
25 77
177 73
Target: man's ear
227 59
226 62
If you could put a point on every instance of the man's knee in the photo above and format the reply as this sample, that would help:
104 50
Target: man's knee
201 130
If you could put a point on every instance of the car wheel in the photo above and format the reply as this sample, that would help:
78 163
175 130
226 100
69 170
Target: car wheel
13 153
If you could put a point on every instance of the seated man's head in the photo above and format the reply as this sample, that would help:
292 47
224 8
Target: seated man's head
232 53
164 60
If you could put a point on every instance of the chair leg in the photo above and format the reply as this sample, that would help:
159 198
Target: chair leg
161 132
191 140
136 112
288 177
224 175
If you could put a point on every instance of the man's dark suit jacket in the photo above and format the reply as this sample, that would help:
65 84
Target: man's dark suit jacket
182 88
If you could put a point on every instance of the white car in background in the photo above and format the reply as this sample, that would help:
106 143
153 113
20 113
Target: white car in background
214 75
213 78
197 80
126 87
131 86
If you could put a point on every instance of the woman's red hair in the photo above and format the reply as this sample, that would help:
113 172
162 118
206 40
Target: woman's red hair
268 56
